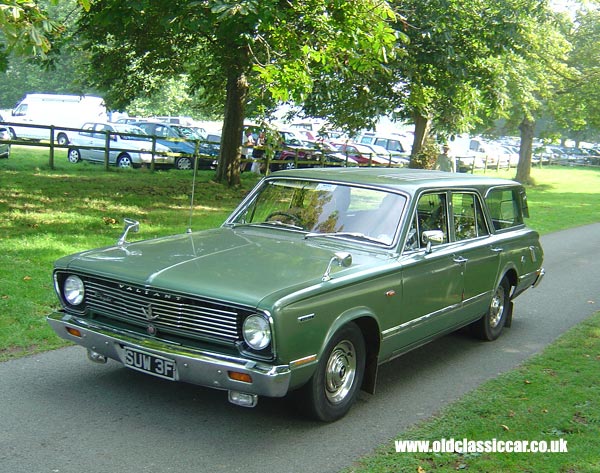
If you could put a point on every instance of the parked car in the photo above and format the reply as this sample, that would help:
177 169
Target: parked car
129 146
362 154
311 154
398 143
182 141
315 279
4 135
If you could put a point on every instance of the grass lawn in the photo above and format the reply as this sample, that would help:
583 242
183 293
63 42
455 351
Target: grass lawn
555 395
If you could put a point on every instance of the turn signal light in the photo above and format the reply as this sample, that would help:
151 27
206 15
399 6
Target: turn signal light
243 377
74 332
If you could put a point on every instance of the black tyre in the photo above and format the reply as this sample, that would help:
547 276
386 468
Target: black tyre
125 161
184 163
332 390
490 326
73 155
62 139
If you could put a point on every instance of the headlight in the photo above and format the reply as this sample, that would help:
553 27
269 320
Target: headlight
73 290
257 332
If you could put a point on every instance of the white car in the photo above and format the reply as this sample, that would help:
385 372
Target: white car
128 145
4 135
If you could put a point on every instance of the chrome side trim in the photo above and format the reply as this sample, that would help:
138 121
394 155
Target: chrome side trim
393 331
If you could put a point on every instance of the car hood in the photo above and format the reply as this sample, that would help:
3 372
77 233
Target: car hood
242 265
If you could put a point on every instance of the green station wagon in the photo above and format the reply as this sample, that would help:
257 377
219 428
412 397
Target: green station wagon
318 276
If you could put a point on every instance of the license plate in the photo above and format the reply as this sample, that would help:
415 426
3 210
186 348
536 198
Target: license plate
148 363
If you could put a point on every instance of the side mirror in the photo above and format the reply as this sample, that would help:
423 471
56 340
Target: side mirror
431 237
130 225
342 259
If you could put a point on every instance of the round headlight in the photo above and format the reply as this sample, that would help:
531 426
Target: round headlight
73 290
257 332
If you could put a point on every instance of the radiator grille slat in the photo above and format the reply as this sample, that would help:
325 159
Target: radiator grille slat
182 315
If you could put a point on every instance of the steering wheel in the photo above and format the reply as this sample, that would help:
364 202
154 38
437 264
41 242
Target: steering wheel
292 217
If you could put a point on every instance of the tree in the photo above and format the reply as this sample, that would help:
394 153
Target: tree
26 28
533 75
245 54
453 72
576 105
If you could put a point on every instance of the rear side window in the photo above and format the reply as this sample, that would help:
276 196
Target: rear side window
506 207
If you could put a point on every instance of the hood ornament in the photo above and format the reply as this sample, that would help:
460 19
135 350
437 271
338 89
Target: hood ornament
342 259
149 313
130 224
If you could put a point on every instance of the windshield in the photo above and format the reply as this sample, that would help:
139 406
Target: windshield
324 209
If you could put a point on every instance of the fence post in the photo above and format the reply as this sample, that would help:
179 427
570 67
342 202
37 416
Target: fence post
51 158
152 163
106 149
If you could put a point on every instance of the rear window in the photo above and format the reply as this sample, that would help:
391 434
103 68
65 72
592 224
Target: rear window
506 207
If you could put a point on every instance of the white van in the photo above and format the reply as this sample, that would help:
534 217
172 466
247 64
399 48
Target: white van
67 111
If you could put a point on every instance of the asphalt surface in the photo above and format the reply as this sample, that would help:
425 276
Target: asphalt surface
60 413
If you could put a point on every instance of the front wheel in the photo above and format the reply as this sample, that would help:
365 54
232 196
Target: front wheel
333 388
489 327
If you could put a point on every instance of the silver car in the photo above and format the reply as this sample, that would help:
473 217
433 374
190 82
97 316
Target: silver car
127 148
4 136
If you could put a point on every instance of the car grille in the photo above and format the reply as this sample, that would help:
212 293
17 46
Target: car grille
166 312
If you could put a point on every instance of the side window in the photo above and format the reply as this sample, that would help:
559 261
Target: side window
394 145
468 216
432 215
505 207
161 131
87 129
98 129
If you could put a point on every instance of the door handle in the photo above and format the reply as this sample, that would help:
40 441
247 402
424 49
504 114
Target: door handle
459 259
497 250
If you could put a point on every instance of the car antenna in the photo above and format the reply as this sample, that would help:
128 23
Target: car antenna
189 230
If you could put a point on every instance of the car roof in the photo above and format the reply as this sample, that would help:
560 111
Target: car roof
399 179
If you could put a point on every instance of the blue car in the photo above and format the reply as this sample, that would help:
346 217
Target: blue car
181 140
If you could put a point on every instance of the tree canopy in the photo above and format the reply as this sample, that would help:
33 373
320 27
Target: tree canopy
247 55
448 66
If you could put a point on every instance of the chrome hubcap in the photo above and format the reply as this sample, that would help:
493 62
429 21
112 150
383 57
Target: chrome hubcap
340 372
497 307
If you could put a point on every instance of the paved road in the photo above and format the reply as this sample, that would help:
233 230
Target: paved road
62 414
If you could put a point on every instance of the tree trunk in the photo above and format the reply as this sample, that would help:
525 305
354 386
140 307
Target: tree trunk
524 167
228 169
422 126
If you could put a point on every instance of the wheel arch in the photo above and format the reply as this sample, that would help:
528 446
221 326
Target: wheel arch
368 325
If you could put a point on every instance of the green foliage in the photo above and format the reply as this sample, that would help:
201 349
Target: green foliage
237 53
427 156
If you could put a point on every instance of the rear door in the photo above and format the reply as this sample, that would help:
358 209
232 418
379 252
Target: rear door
476 251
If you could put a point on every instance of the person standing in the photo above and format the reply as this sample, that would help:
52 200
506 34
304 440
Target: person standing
444 161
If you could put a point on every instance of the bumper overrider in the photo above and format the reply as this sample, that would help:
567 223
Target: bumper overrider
245 379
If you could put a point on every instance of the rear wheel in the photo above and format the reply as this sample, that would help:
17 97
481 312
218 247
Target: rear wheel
124 161
331 391
73 155
490 326
62 139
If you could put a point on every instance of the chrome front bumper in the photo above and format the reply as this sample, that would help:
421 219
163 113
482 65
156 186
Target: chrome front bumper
193 366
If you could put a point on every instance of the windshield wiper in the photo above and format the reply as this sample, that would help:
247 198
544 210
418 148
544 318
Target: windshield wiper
275 223
353 235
